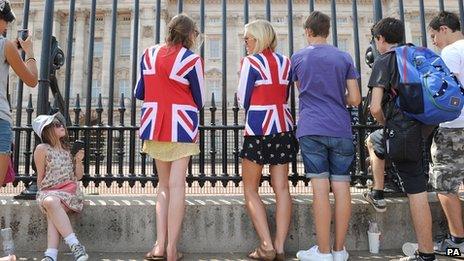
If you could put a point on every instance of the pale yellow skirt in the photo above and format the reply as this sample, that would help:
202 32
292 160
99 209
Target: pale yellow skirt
169 151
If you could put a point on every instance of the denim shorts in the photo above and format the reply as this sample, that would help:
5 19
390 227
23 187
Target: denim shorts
6 137
327 157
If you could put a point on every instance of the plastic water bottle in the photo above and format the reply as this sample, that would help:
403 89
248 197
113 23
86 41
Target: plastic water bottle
8 244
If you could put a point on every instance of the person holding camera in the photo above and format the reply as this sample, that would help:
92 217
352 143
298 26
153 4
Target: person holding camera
26 71
58 173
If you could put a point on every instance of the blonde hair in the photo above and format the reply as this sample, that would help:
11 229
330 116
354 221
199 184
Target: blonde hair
264 34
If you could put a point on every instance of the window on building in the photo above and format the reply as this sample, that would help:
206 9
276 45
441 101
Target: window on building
215 48
278 19
214 85
417 40
282 45
73 47
98 48
342 20
125 47
343 44
96 88
214 20
125 88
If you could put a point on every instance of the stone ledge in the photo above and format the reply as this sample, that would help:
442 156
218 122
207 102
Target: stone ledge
213 224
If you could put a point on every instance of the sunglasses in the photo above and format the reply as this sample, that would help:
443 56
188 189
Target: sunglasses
247 38
57 124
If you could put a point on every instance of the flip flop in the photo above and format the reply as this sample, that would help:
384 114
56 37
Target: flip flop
151 257
261 254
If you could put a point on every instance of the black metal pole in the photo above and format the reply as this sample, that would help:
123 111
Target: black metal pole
441 3
333 10
268 10
180 6
377 10
357 59
44 84
311 5
401 9
67 81
19 98
202 111
461 13
109 144
88 101
224 85
135 43
422 21
158 22
246 18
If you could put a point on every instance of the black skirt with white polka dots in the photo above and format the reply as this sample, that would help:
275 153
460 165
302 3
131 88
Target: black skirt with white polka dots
279 148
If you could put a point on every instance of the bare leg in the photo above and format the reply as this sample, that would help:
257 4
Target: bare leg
342 195
452 207
176 204
322 213
251 175
422 219
279 178
53 236
378 167
162 200
57 214
4 162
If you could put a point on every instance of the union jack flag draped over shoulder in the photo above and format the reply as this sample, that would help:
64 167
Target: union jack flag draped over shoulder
171 85
263 91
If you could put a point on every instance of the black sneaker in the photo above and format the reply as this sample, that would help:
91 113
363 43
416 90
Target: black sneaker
444 243
415 257
79 253
380 205
47 258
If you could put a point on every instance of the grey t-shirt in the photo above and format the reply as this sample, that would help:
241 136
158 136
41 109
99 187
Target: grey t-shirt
5 111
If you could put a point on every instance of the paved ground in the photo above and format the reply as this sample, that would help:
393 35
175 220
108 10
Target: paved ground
355 256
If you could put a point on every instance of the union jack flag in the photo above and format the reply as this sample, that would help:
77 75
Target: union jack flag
171 84
263 91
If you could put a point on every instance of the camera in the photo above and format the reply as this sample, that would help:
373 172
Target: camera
22 34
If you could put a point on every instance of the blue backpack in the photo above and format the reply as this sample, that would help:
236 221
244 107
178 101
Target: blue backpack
428 91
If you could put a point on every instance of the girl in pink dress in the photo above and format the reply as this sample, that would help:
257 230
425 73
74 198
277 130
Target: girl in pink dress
58 175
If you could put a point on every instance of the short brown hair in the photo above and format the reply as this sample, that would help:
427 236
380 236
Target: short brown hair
180 28
318 23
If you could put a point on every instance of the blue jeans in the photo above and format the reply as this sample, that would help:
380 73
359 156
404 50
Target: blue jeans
6 137
327 157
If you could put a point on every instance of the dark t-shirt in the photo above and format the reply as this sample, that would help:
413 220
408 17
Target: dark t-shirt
385 75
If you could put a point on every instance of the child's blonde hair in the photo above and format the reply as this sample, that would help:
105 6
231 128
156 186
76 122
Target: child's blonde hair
264 33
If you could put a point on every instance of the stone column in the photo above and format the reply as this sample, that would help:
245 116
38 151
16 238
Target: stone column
105 80
78 77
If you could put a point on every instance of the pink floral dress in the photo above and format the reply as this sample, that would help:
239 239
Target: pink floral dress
60 180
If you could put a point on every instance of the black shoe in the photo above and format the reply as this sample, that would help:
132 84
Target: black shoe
379 204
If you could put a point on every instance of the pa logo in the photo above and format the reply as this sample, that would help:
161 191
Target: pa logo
453 251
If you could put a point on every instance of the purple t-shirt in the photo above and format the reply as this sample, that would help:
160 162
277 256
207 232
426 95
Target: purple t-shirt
322 71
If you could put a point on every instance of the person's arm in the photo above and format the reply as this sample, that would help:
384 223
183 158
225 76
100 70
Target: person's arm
353 96
246 84
452 59
196 79
139 89
26 70
78 166
40 154
376 105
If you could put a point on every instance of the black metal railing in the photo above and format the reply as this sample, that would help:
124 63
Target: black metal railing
112 144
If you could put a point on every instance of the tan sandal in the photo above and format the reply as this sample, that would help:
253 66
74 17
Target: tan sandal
279 257
261 254
149 256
